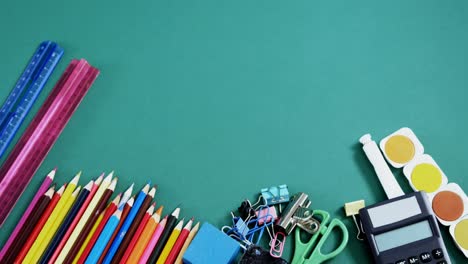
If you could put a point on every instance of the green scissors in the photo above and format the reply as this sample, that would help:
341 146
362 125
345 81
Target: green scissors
304 254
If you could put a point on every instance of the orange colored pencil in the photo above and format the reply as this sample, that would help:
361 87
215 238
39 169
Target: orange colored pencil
125 212
53 202
137 234
109 212
64 240
145 237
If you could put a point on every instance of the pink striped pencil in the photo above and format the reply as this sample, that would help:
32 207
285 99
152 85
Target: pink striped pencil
42 189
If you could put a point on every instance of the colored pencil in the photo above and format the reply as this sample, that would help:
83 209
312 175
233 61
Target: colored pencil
171 222
40 224
52 223
104 237
171 258
42 189
28 226
152 243
88 238
128 249
126 225
84 218
170 242
83 208
137 221
125 196
107 215
145 237
92 219
126 209
189 239
66 223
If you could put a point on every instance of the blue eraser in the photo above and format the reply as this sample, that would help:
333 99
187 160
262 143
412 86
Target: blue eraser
211 245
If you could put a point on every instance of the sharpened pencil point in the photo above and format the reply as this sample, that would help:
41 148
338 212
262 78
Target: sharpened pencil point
151 209
76 191
89 185
50 192
113 184
152 192
60 191
160 210
146 188
176 212
131 201
99 179
51 174
76 178
108 178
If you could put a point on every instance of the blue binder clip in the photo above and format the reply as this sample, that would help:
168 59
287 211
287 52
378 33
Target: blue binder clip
275 194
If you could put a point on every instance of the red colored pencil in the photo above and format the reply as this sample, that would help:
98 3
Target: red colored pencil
64 240
108 213
40 224
171 258
125 212
137 234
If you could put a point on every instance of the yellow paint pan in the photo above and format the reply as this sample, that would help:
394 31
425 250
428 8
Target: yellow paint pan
401 147
424 174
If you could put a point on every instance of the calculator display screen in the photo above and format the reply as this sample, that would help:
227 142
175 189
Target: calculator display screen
403 235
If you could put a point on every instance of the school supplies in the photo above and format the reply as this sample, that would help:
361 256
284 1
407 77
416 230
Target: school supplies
385 175
134 225
138 233
104 237
39 137
107 215
171 258
52 224
84 219
403 229
83 208
154 240
352 209
40 224
66 223
449 202
311 251
126 225
275 194
26 90
170 242
100 206
187 242
171 222
28 226
20 227
126 209
144 238
203 249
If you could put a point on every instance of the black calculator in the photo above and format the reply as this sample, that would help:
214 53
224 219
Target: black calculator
404 230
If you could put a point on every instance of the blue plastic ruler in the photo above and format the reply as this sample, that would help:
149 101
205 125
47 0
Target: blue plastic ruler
26 90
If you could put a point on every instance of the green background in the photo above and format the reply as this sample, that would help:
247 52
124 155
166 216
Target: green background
213 100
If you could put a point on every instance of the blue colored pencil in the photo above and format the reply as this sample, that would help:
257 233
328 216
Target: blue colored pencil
66 223
126 225
104 237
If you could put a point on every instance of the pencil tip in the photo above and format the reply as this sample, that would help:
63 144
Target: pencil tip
152 192
60 191
113 184
146 188
89 185
176 212
76 191
76 178
51 174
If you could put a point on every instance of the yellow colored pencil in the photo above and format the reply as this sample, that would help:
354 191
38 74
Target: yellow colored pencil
189 239
84 218
170 242
52 224
88 238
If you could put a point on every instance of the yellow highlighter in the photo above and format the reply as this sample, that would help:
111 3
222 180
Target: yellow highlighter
170 242
88 238
53 222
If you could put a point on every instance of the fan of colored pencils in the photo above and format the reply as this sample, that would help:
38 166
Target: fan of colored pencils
79 225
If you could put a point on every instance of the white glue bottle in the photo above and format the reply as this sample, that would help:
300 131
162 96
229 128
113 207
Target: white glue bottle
385 175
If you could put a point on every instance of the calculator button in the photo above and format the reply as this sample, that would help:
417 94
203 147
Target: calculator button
402 261
413 260
437 253
442 262
425 257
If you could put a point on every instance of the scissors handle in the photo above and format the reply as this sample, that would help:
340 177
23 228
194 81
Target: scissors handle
317 256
